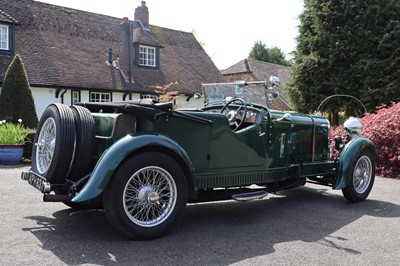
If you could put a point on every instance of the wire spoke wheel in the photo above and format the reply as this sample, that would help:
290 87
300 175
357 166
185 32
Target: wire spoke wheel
362 174
45 145
146 196
54 143
361 177
149 196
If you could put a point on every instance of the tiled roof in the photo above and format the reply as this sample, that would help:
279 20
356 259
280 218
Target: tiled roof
183 60
64 47
262 71
144 37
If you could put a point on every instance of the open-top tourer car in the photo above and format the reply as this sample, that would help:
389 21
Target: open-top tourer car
142 161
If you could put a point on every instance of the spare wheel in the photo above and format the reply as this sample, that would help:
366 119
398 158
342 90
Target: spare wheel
54 143
85 143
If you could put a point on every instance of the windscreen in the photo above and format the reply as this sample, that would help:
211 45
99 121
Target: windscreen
251 93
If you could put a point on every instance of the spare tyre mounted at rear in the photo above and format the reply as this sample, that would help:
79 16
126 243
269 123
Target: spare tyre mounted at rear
85 139
54 143
61 134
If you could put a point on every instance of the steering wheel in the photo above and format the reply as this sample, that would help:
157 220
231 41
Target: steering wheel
232 115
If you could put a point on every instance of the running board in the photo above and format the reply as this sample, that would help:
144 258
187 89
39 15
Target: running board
250 196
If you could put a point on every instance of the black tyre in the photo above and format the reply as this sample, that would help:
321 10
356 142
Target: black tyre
85 143
362 179
146 196
54 143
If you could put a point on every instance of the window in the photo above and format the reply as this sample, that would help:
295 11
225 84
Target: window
100 97
4 37
148 96
147 56
76 97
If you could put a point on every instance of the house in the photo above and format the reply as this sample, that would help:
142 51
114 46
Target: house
254 70
72 55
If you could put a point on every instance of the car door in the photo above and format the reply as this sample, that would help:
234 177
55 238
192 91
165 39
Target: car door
243 148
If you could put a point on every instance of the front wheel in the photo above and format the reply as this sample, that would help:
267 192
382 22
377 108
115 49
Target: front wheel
146 196
362 179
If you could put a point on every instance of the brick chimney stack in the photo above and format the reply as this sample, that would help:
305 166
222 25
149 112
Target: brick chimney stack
142 14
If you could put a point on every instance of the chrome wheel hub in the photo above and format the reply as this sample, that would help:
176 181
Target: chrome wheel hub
153 197
148 194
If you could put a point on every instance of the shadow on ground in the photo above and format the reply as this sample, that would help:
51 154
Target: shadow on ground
209 234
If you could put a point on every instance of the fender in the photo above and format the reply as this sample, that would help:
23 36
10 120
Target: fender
113 157
348 158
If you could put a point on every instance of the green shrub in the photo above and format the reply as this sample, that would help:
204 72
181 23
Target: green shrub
16 101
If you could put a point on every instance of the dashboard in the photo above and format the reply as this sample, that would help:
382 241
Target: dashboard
251 117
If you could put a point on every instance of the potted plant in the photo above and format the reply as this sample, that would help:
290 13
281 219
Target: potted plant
13 136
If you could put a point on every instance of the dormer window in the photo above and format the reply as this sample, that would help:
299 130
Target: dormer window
4 37
147 56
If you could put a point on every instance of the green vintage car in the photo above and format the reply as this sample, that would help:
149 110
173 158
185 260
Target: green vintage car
143 162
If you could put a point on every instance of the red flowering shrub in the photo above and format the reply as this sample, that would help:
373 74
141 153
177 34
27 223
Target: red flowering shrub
383 129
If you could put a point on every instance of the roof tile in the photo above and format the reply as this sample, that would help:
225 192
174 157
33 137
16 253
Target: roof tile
64 47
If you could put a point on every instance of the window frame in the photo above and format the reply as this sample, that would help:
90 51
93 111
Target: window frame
73 94
149 96
100 99
147 58
7 37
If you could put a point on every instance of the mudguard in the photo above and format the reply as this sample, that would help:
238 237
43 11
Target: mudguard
348 157
113 157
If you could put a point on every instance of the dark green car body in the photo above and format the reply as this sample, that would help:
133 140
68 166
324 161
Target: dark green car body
271 150
143 161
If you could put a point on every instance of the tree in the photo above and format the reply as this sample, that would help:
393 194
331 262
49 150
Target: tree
271 55
16 101
347 47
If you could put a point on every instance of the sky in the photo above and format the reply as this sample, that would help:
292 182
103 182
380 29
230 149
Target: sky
227 29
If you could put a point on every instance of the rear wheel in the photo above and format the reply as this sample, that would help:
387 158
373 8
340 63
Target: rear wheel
362 179
146 196
54 143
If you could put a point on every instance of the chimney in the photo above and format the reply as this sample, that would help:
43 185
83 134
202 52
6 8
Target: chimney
142 14
126 53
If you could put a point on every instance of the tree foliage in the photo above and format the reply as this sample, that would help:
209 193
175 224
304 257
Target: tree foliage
347 47
16 101
271 55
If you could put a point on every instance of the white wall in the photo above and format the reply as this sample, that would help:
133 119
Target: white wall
45 96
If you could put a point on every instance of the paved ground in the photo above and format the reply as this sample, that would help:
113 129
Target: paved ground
311 225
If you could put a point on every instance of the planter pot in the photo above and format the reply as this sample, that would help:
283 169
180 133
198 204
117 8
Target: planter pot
11 154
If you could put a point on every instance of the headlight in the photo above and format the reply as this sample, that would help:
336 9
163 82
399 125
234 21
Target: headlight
353 126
